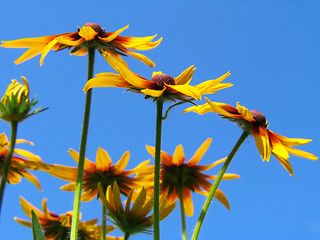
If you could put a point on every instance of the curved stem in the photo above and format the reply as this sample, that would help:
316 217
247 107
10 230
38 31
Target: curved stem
183 216
214 187
103 223
83 144
4 179
156 211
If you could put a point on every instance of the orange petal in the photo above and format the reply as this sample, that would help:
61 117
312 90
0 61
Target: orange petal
277 146
221 197
103 160
178 156
261 138
200 152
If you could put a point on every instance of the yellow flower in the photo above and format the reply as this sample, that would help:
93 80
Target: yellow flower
136 219
90 35
159 85
266 141
103 172
58 226
176 175
15 105
19 164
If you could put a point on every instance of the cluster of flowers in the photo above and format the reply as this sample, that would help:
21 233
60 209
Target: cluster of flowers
107 181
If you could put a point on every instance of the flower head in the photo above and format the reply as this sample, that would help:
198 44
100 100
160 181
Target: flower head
160 85
103 172
136 219
90 35
176 175
15 105
19 164
58 226
266 141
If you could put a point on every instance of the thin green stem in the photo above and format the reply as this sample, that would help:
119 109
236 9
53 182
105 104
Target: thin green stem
83 144
103 223
126 236
216 183
14 129
156 211
183 216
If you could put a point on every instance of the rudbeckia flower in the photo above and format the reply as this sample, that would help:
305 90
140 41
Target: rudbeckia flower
160 85
58 226
176 175
90 35
19 164
103 172
135 219
266 140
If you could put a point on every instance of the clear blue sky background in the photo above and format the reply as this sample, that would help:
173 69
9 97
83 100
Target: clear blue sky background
270 47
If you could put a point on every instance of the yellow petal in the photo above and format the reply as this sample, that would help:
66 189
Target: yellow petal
186 76
187 202
226 176
63 172
121 164
79 52
141 167
103 160
31 178
106 80
139 203
88 33
200 109
178 156
32 52
156 73
200 152
140 57
211 86
220 108
166 159
140 43
88 195
261 138
47 49
23 222
277 146
187 90
207 167
153 93
29 42
114 35
27 207
285 163
291 141
300 153
245 113
28 155
221 197
88 165
70 187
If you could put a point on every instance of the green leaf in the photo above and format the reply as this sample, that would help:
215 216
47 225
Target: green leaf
36 228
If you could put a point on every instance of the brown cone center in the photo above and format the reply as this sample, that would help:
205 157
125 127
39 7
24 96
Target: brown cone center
96 27
160 79
259 117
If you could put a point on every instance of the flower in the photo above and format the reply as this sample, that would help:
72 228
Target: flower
266 141
15 105
160 85
176 175
102 172
19 164
136 219
90 35
58 226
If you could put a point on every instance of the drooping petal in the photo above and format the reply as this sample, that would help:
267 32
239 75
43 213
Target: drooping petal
47 49
200 152
88 195
178 157
23 222
79 52
121 164
291 141
262 141
221 109
186 76
166 159
31 178
70 39
245 113
103 160
207 167
140 57
285 163
187 90
30 53
70 187
27 207
277 146
300 153
221 197
153 93
187 202
106 80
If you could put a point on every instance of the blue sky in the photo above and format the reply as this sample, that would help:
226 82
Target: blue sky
271 49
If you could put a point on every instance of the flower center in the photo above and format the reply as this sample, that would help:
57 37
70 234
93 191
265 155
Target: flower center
160 79
94 26
259 117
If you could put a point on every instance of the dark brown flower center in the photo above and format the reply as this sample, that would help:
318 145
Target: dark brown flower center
259 117
96 27
160 79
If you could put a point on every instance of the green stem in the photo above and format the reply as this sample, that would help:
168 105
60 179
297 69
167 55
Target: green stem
126 236
156 211
103 223
14 129
214 187
183 216
83 144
